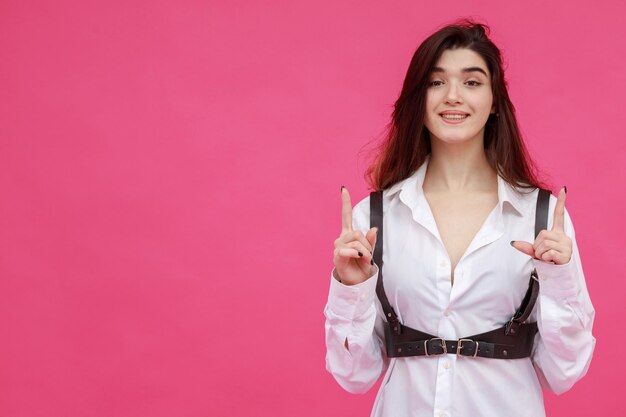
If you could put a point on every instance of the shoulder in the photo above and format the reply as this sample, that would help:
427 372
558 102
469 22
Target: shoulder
528 200
361 210
522 199
363 206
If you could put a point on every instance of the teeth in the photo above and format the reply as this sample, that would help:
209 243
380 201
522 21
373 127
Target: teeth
453 116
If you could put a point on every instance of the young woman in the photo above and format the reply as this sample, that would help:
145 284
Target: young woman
459 205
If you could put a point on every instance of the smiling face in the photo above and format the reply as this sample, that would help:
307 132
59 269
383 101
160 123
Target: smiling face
459 98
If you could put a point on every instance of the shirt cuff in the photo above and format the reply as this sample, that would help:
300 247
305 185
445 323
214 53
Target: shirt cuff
350 301
558 281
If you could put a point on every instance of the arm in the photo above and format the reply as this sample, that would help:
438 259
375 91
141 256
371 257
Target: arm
354 330
354 353
565 344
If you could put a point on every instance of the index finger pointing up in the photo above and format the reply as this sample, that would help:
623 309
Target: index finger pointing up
346 210
558 224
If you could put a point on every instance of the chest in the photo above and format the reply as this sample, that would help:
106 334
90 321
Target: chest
459 218
490 276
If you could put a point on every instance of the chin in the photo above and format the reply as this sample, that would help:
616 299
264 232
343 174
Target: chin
454 139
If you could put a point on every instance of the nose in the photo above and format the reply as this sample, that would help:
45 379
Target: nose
453 94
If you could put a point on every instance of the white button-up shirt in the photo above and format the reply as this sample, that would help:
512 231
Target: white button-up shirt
490 282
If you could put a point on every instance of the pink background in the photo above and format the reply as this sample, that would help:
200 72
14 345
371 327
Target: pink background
169 185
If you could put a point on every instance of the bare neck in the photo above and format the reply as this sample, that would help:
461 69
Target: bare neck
459 168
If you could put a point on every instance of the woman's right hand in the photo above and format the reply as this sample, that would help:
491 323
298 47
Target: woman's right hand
353 250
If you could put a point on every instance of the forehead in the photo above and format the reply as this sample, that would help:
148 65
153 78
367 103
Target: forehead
455 60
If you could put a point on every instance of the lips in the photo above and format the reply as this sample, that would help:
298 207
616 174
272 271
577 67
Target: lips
453 116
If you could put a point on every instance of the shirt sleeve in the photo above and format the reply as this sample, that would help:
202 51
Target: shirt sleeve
564 344
352 316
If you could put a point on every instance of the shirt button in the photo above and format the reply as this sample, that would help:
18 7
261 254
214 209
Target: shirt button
351 301
446 312
446 365
442 414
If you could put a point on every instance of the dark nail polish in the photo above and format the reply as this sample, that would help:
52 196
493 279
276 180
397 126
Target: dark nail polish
372 262
342 187
512 242
565 189
360 254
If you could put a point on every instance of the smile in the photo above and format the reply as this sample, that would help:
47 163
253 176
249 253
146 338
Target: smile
454 118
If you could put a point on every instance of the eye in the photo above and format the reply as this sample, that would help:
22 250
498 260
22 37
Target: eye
473 83
435 83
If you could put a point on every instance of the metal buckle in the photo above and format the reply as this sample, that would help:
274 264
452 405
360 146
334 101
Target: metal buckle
443 345
534 275
460 346
511 327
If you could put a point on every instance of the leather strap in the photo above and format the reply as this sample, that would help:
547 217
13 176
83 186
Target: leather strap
475 347
528 303
492 344
512 341
376 220
541 214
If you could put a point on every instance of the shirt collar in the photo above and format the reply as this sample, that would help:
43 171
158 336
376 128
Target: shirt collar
411 188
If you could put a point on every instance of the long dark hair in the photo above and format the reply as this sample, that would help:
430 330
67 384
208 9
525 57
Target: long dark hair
407 141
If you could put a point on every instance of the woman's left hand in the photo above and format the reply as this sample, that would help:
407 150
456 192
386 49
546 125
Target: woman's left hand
550 245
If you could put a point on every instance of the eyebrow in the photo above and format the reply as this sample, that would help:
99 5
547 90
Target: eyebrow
463 70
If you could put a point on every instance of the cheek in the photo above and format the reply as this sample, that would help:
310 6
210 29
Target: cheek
430 118
431 107
488 101
431 99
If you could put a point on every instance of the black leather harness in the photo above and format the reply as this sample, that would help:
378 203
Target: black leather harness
514 340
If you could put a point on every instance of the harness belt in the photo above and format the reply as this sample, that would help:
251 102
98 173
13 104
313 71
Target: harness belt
513 340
